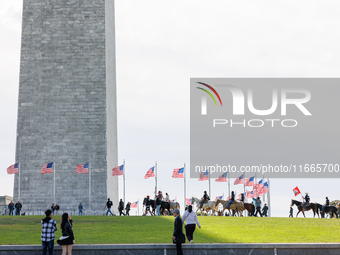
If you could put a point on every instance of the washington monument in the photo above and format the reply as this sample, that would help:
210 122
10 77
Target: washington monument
67 105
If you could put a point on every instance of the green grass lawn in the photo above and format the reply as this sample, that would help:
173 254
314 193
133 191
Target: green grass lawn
139 229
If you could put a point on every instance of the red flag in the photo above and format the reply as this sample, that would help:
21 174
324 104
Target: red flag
134 205
13 169
296 191
82 169
150 173
47 169
188 201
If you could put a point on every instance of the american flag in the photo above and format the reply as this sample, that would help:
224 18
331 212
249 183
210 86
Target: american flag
204 176
13 169
265 187
178 173
82 169
222 178
118 170
134 205
188 201
260 183
249 194
239 180
173 200
150 173
47 169
249 181
219 197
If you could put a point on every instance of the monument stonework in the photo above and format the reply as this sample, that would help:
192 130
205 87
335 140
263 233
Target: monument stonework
67 104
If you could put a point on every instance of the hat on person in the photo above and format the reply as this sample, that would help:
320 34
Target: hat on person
147 196
176 211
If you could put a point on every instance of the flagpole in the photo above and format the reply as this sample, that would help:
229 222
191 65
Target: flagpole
89 186
209 183
228 185
185 195
156 178
263 195
54 181
138 206
19 181
255 185
124 182
268 198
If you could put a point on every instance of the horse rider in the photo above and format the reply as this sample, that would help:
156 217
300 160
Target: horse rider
242 197
232 199
325 205
167 199
307 199
204 199
147 205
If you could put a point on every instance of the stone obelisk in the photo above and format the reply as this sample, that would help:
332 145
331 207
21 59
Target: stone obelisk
67 105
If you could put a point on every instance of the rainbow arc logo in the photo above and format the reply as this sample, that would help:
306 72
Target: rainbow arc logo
209 93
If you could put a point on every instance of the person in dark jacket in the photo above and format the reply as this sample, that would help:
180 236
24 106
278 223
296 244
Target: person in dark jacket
242 197
204 199
57 208
127 209
18 207
80 209
178 231
108 206
325 205
53 208
158 205
48 226
121 207
265 210
67 239
307 199
11 208
232 199
291 212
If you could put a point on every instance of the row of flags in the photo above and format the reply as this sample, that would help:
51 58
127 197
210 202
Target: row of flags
48 168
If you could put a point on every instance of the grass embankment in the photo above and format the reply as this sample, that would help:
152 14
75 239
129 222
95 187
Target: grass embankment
114 230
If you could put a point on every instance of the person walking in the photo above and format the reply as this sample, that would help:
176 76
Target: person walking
121 207
18 207
178 237
108 206
57 208
291 212
158 205
265 210
147 204
67 239
80 208
53 209
127 209
48 227
191 220
258 206
10 208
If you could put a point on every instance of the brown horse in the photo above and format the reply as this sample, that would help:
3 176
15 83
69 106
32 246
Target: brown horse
330 209
238 206
311 206
250 208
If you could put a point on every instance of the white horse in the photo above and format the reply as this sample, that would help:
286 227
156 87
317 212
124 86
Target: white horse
207 206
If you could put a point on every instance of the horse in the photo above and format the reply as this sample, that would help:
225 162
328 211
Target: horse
330 209
312 206
207 206
238 206
169 205
250 208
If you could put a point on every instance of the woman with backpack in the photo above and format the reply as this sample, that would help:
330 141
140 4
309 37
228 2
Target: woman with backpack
190 225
